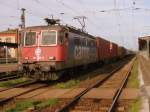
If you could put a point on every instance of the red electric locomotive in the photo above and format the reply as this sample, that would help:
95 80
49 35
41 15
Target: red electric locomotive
47 52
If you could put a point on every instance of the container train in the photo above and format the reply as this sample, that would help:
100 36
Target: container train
48 52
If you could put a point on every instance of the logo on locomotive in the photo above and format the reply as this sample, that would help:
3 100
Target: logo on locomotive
78 51
38 52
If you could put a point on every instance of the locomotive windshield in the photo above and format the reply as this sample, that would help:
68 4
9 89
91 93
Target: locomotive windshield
30 38
48 38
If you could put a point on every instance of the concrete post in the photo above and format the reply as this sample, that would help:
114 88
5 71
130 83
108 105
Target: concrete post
148 47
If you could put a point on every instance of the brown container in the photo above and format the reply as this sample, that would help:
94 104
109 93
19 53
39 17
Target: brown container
121 52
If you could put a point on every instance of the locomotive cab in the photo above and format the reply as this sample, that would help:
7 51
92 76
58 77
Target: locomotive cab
49 52
44 52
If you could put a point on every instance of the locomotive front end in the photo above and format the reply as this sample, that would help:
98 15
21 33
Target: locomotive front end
42 54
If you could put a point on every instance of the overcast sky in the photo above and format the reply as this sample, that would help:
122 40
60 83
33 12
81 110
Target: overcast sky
121 21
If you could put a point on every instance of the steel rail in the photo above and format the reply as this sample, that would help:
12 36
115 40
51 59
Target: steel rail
4 101
5 76
25 83
120 89
75 99
10 78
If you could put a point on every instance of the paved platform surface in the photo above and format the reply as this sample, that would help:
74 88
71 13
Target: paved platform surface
43 94
72 93
145 71
103 93
100 93
148 90
12 92
144 79
8 67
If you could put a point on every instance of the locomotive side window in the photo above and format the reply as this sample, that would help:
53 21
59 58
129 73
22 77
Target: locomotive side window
48 38
30 38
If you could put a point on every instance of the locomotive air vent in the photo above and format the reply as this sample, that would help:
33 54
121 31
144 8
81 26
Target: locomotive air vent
52 21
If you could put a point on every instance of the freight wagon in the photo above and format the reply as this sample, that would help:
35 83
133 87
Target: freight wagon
121 52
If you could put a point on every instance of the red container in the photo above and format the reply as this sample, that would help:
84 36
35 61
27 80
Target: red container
113 50
106 50
103 49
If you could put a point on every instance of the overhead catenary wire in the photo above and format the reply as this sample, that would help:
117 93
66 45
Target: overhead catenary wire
75 12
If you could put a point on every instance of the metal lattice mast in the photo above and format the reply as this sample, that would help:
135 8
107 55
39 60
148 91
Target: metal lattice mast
81 20
23 18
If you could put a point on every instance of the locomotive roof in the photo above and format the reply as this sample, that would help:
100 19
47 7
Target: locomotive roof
70 28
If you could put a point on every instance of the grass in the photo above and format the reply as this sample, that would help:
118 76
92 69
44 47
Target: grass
47 103
68 84
21 106
133 81
24 105
135 106
12 82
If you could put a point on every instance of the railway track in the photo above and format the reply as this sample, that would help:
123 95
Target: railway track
9 77
17 90
35 87
11 67
119 90
106 105
21 84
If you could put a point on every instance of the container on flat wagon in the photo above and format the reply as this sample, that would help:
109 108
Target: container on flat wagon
121 52
102 49
113 50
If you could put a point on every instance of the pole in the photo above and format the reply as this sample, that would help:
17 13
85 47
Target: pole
81 20
23 18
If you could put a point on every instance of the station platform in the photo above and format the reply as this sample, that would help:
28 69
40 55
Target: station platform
144 78
8 67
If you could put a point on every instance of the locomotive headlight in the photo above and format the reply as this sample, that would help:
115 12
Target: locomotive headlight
26 58
51 58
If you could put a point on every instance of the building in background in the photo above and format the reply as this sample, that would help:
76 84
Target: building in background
8 36
144 46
